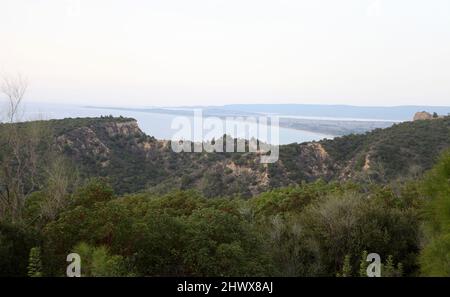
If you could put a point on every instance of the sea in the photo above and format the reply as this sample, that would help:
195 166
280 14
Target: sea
166 126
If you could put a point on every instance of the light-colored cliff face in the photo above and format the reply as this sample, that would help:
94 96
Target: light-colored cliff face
319 152
83 139
90 141
123 128
423 115
314 160
366 166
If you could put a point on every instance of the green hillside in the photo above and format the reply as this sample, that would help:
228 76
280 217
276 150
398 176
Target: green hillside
115 148
130 206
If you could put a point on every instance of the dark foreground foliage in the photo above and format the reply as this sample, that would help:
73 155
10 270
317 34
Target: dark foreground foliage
317 229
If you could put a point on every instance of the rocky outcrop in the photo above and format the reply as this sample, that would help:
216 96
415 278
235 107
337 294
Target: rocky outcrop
123 128
366 166
423 115
313 160
94 142
82 141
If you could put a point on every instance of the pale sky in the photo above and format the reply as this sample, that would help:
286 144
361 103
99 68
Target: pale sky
214 52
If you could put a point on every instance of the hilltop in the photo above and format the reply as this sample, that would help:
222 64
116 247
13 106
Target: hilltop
115 148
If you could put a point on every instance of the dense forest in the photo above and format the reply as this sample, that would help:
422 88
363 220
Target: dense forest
129 206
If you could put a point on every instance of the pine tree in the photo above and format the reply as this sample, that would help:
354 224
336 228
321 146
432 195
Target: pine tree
346 268
34 263
363 264
399 269
389 268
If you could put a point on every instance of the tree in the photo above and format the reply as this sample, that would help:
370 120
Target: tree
96 190
14 87
15 244
60 178
363 264
19 157
15 163
97 261
434 258
389 269
350 223
34 263
346 268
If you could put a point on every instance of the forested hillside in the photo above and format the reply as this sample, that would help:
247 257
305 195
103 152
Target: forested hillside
312 229
115 148
129 206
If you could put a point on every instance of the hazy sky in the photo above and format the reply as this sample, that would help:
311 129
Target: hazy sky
186 52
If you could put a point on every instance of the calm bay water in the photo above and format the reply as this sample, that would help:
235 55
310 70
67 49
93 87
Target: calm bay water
154 124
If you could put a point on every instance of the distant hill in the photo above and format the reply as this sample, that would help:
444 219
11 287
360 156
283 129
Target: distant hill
334 126
115 148
395 113
335 120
